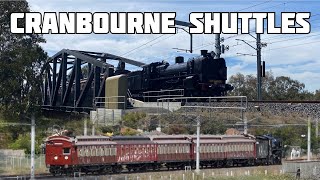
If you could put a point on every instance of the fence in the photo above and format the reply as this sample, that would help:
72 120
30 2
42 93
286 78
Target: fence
150 95
21 164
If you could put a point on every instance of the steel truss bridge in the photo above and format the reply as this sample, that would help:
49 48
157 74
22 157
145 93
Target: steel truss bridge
68 87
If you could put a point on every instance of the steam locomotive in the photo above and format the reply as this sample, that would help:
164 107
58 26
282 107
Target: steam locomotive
199 77
102 154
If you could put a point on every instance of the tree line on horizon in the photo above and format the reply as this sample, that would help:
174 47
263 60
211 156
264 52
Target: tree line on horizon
273 88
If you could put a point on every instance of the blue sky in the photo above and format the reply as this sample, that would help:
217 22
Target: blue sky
289 55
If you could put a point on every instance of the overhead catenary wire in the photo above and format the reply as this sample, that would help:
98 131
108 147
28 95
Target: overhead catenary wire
142 45
255 5
148 43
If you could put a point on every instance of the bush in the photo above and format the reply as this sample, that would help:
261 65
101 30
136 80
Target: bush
24 142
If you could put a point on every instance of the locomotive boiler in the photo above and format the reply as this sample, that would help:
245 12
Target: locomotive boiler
199 77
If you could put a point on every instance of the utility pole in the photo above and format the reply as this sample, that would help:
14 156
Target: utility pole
258 47
85 130
198 146
245 128
317 128
217 46
309 138
185 24
32 145
259 98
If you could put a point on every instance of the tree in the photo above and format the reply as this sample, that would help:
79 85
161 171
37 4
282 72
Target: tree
317 95
285 88
279 88
133 120
21 60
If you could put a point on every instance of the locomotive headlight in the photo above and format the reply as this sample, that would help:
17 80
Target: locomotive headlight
66 157
55 157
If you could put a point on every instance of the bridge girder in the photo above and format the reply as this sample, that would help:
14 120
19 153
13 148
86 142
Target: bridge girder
66 87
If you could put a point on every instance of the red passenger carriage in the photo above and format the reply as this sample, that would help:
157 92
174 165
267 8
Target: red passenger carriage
103 154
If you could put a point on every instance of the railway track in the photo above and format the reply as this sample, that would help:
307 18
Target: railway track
152 173
286 101
269 101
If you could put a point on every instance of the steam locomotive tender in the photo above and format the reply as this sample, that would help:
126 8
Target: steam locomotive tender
199 77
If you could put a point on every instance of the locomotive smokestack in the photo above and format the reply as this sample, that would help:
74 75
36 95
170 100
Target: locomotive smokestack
179 59
204 52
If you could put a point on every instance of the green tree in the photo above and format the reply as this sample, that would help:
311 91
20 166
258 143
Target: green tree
23 142
317 95
133 120
21 60
273 88
285 88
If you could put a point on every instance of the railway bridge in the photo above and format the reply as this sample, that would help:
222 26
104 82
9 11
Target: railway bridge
68 86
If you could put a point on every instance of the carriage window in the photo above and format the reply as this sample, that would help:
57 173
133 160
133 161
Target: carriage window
101 151
66 151
79 152
97 152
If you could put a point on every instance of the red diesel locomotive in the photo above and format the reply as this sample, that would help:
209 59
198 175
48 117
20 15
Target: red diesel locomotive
101 154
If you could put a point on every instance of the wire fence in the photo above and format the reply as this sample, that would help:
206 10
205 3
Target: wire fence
21 164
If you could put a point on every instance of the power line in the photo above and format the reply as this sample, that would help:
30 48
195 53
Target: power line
312 42
129 52
163 39
255 5
316 34
274 6
142 45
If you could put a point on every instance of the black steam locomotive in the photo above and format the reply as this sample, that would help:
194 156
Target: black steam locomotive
269 149
199 77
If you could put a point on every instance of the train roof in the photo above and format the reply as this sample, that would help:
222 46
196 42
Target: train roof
59 137
169 141
134 142
91 143
130 138
225 137
91 138
167 137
